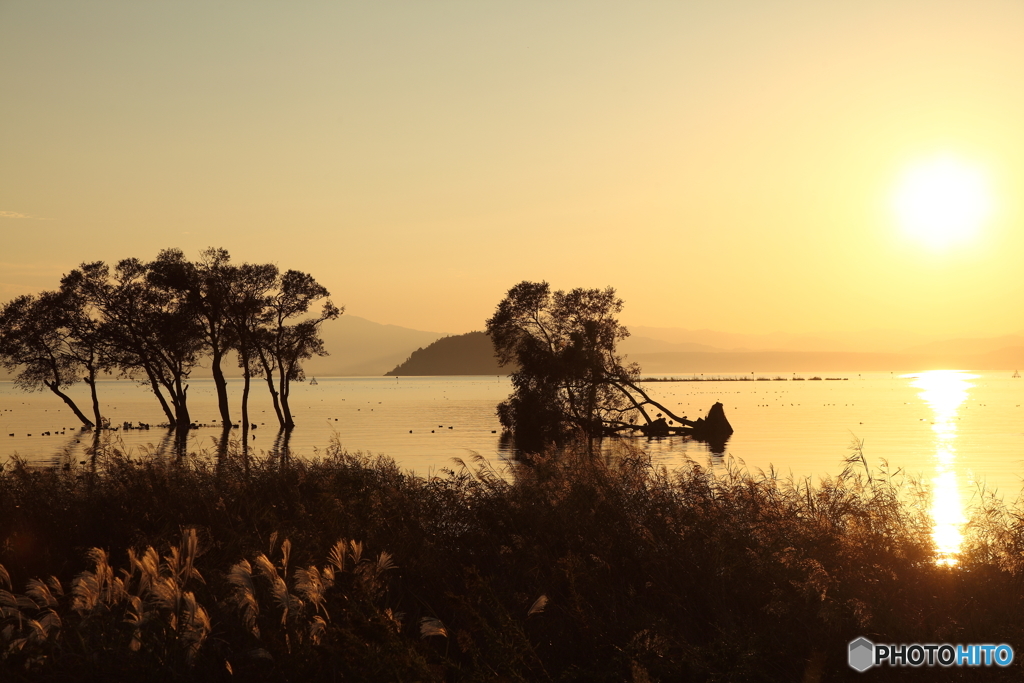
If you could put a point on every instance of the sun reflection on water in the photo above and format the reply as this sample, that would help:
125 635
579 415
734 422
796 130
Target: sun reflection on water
945 391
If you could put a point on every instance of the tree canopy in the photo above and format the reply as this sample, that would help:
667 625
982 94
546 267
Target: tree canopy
570 382
157 321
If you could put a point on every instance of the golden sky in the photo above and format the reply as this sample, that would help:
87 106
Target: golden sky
723 165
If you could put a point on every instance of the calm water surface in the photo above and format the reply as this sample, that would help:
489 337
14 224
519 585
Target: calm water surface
952 429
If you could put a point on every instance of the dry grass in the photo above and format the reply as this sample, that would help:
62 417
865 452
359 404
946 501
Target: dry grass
570 568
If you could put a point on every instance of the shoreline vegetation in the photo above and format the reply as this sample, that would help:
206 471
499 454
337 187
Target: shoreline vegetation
566 567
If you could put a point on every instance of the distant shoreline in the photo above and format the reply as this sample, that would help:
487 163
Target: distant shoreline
740 379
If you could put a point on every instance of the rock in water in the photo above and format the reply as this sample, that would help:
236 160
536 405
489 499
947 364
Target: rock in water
716 423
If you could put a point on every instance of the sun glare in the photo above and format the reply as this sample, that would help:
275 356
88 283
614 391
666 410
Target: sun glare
943 202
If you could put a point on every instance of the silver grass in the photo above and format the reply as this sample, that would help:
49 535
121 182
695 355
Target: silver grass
309 585
283 598
7 600
429 626
117 591
85 592
317 628
50 621
166 594
147 566
40 593
55 586
195 625
266 567
25 602
538 605
191 542
337 555
172 561
286 555
384 563
356 552
134 616
240 576
36 632
5 578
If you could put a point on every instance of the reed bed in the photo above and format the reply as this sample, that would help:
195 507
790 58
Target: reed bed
343 567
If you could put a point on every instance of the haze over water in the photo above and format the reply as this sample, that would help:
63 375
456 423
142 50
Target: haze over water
953 429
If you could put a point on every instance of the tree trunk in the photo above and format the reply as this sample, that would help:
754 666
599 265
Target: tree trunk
245 412
273 389
245 395
180 399
159 395
288 422
55 388
91 381
222 389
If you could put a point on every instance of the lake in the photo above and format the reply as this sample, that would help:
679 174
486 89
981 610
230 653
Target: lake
955 427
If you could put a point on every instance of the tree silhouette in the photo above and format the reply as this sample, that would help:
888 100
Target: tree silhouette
250 286
46 342
154 322
150 327
570 382
205 293
281 345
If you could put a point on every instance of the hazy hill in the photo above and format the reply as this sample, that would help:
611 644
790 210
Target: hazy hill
967 346
868 341
463 354
361 347
636 344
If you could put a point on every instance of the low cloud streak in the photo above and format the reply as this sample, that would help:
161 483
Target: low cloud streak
15 214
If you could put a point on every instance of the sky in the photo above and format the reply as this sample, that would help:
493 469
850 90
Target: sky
730 165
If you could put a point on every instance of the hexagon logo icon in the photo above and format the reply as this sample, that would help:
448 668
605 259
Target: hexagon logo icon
862 654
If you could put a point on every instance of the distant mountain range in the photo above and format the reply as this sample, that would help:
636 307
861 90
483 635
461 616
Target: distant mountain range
471 354
361 347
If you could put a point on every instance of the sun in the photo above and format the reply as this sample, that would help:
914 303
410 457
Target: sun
943 202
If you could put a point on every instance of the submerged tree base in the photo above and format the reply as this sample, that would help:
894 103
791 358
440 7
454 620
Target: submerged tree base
570 568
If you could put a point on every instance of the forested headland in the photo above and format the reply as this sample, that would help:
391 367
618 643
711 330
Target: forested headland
462 354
